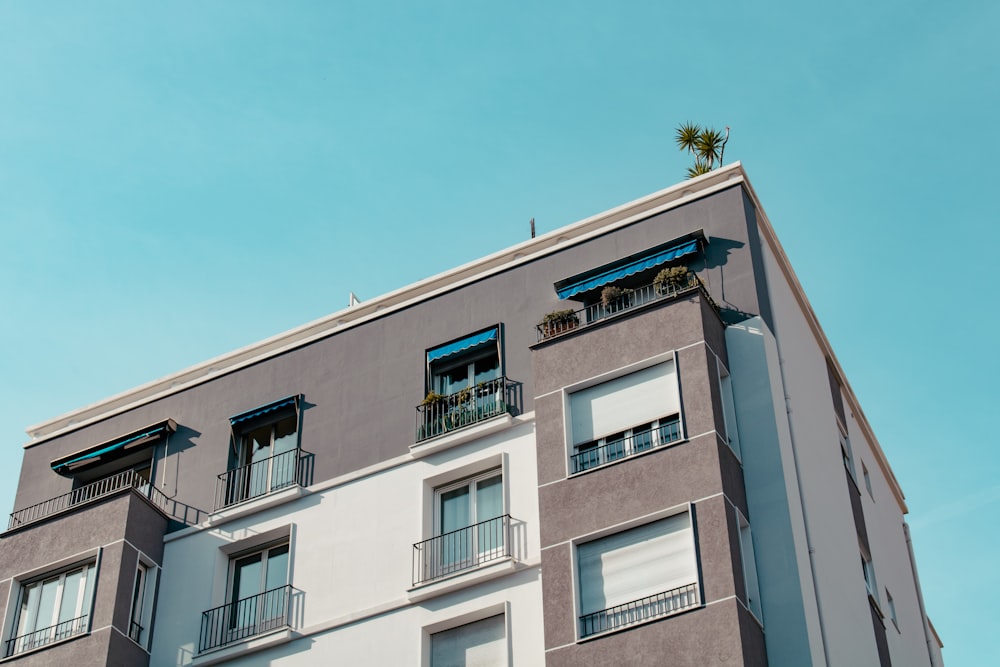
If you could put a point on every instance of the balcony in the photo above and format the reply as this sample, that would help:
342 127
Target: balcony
443 414
262 477
45 636
463 549
247 618
635 441
564 322
630 613
88 494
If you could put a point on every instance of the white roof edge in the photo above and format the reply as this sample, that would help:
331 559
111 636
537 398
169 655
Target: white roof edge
786 266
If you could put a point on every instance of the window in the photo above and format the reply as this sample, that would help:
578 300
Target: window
749 565
869 572
732 434
53 607
624 416
265 452
465 363
470 527
638 574
892 609
848 456
465 384
257 601
143 594
479 644
868 480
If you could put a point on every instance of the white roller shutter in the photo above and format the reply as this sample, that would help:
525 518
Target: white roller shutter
637 563
630 400
479 644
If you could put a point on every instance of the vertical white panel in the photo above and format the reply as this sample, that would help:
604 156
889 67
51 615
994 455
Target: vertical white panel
624 402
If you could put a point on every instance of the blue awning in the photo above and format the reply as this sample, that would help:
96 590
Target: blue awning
264 409
143 437
629 268
466 343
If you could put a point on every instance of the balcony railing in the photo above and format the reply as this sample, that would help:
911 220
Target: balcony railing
461 549
87 494
669 430
135 632
246 618
465 408
260 478
631 298
629 613
39 638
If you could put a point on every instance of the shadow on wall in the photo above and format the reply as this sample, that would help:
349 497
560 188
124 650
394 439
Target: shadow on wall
716 257
168 468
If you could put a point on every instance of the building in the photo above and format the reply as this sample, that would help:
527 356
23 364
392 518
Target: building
624 442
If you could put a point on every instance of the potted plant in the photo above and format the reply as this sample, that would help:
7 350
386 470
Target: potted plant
559 321
615 298
672 279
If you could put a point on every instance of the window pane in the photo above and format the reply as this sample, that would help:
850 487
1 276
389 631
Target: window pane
479 644
455 509
487 369
285 436
489 498
47 604
70 595
246 577
277 567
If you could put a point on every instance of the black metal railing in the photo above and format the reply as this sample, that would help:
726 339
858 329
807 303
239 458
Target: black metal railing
128 479
630 298
246 618
38 638
135 632
461 549
621 615
465 408
260 478
622 447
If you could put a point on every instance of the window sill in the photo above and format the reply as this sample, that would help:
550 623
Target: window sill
256 505
463 579
460 437
244 647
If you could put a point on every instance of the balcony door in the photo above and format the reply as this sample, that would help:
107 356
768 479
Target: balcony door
468 522
267 457
258 593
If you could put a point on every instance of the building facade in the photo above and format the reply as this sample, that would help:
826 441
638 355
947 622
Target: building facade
624 442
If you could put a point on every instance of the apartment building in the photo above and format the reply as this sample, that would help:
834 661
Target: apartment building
624 442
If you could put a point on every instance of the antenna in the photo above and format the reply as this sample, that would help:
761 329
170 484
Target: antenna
532 228
352 300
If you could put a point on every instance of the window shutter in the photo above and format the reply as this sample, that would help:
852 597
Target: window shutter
635 564
479 644
618 404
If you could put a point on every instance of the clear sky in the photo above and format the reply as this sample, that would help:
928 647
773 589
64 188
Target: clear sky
180 179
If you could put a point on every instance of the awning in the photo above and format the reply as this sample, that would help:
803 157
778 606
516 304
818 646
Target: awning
631 265
462 345
144 437
264 409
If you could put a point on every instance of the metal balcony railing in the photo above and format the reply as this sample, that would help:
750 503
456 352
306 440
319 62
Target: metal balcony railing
39 638
621 615
631 298
614 449
246 618
465 408
87 494
461 549
260 478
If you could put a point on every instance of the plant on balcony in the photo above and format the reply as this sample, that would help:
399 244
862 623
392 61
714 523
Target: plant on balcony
432 398
672 279
611 296
558 321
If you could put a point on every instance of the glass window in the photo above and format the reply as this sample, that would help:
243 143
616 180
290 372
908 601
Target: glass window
265 460
749 566
258 592
142 603
53 608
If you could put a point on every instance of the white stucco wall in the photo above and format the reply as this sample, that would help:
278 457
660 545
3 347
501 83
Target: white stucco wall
351 556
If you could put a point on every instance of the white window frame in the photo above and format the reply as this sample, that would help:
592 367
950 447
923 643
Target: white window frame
871 583
475 556
22 639
144 589
259 622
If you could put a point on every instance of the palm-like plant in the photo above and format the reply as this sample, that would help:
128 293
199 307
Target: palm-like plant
707 145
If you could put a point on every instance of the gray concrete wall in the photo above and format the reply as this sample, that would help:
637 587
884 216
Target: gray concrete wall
361 385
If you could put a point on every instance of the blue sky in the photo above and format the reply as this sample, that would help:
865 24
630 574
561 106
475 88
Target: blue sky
181 179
